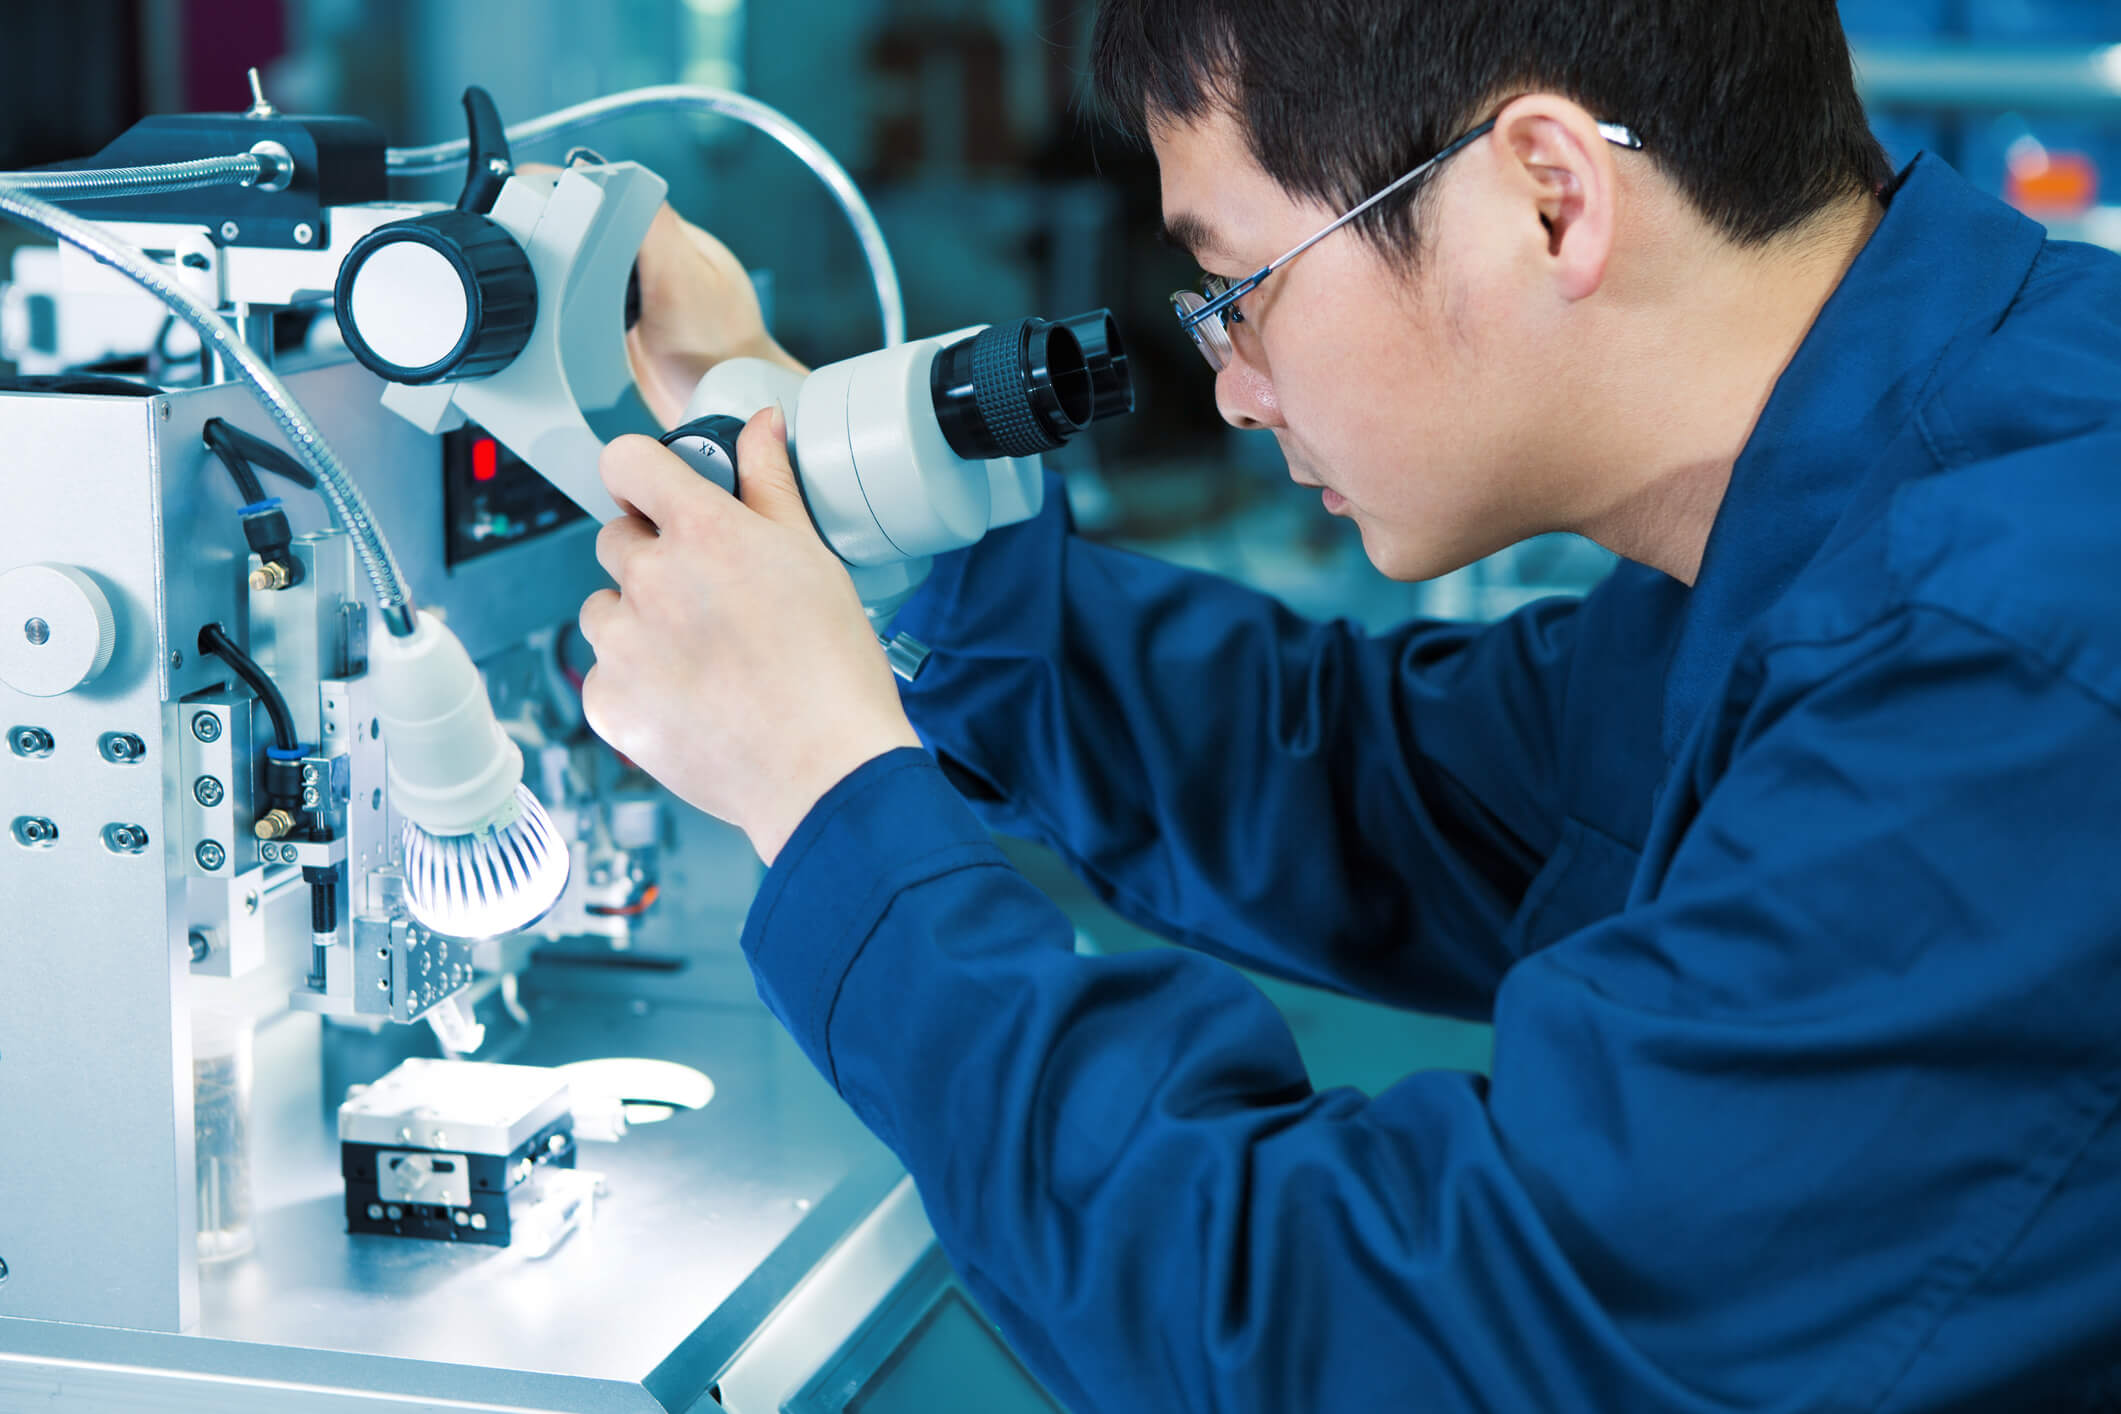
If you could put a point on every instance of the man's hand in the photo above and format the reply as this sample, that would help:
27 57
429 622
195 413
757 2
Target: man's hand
698 308
734 662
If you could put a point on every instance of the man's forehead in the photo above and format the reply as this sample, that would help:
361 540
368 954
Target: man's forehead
1206 170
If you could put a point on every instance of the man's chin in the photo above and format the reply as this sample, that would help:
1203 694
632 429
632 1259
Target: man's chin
1409 563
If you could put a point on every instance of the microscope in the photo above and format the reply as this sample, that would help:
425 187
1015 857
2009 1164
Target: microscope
301 488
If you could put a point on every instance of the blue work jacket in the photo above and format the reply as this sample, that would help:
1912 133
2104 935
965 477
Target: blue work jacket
1794 897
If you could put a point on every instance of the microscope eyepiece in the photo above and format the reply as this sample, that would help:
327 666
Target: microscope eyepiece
1015 390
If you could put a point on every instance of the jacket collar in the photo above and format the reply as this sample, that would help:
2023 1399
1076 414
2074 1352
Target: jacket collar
1940 271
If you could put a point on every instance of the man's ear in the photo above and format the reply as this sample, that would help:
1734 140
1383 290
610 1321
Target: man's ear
1559 170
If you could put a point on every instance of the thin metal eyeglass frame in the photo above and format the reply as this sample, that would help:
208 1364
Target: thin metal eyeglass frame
1191 320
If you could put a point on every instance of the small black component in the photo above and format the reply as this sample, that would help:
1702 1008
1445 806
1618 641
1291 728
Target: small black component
271 539
283 778
500 295
339 161
490 163
264 522
491 499
708 446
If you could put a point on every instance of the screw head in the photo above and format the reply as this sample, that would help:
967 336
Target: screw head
312 775
30 741
38 632
250 902
127 839
123 748
176 660
201 945
230 230
211 856
303 234
3 1270
208 791
311 797
206 726
37 830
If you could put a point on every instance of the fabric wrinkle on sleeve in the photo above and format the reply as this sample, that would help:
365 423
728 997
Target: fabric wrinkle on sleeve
1361 812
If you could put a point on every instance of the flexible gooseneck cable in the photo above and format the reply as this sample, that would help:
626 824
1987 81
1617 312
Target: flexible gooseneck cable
891 302
242 170
393 597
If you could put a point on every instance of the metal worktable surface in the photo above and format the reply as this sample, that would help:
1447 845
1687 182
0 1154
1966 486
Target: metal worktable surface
711 1219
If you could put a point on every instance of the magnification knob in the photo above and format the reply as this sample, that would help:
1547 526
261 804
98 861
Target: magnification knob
446 295
56 629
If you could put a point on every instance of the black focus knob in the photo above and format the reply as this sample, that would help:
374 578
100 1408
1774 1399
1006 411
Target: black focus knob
447 295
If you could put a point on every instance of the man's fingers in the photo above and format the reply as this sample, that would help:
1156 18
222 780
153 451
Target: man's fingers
643 474
765 480
619 541
596 615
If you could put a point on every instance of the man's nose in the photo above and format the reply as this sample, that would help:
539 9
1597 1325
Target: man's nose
1244 395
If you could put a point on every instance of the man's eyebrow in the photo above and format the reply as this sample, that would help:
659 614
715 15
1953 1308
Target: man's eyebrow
1192 235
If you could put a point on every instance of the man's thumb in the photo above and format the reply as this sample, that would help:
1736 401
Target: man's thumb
765 480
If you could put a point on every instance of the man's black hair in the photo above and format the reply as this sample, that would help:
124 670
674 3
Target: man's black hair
1749 106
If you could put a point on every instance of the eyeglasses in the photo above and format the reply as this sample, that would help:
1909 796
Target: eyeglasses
1207 313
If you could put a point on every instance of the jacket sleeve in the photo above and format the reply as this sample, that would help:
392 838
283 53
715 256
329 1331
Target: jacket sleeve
1362 813
1747 1143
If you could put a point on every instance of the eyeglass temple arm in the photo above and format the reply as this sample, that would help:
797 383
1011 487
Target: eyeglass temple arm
1615 133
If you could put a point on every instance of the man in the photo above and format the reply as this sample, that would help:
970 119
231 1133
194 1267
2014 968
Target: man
1781 862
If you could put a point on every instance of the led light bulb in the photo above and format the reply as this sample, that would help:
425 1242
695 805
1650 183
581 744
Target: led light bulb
481 855
499 880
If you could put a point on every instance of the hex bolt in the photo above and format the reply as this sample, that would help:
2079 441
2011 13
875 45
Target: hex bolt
30 741
208 791
211 856
206 726
123 748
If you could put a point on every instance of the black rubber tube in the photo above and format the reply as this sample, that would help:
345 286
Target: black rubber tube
215 640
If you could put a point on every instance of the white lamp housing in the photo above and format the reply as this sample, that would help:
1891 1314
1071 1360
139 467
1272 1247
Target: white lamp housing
481 855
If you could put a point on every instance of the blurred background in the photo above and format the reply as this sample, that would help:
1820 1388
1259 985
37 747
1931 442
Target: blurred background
964 121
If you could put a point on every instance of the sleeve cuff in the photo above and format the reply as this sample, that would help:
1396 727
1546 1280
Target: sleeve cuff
894 823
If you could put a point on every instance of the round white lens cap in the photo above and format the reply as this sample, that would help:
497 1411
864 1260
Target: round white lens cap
409 304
